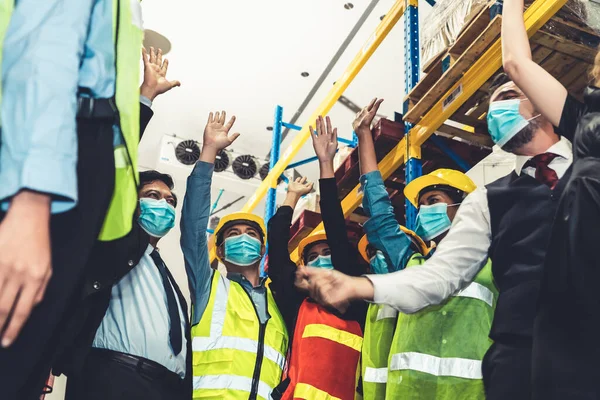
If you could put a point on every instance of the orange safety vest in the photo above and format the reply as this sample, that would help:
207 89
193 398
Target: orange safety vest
325 355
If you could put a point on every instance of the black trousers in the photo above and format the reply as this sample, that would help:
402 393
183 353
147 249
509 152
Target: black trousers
103 377
507 372
25 366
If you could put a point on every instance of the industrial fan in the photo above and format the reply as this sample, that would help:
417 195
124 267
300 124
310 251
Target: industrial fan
221 161
187 152
264 171
244 166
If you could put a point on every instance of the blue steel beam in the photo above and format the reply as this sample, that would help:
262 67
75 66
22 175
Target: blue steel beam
291 126
464 165
412 67
275 150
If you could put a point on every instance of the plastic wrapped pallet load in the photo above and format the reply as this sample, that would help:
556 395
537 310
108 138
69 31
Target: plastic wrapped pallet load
448 19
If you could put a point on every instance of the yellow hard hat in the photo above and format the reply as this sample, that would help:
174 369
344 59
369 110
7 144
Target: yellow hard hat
318 236
416 240
241 217
442 176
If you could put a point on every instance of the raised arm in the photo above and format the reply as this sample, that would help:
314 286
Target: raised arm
196 210
362 128
343 255
545 92
155 83
382 229
281 267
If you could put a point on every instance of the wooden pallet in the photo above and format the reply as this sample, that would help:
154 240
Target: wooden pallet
567 58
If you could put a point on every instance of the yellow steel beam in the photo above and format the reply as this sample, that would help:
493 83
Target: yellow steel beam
365 53
535 17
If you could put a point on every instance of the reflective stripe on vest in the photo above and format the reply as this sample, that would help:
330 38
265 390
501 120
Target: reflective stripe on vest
327 332
479 292
119 217
231 382
458 367
225 346
6 9
308 392
375 375
386 312
235 343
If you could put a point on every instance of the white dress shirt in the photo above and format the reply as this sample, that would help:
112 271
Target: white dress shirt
462 253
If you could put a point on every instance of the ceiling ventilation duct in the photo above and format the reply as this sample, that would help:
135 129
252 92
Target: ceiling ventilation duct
244 167
187 152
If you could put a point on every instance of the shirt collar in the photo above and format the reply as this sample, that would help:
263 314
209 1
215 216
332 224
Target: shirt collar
149 250
241 279
562 148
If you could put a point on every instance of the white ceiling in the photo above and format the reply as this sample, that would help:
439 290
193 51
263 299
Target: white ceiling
247 57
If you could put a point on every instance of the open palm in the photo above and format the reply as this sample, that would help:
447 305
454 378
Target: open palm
216 132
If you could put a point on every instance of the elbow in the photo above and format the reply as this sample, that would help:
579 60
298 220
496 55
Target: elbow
512 68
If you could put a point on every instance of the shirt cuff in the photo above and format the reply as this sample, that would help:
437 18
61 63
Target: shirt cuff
203 169
146 101
371 178
56 177
379 289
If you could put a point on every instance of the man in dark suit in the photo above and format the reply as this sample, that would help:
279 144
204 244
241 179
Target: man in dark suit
130 325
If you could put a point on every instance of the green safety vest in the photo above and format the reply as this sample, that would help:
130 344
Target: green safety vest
436 353
6 8
233 355
380 327
119 218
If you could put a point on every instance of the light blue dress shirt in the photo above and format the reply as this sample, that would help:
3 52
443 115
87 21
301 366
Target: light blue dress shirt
382 229
194 221
137 320
52 47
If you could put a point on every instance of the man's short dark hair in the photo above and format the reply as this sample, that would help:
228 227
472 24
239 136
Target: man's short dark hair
147 177
499 80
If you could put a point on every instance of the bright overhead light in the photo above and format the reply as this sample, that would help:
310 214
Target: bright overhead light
348 6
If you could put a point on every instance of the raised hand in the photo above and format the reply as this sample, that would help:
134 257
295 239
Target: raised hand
216 135
364 119
300 187
155 74
324 140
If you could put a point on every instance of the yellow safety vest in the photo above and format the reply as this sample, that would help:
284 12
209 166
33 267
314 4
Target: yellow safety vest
380 327
436 353
6 8
128 35
234 355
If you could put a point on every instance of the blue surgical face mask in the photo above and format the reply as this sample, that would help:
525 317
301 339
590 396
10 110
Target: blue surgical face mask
379 264
157 217
321 262
242 250
432 221
505 121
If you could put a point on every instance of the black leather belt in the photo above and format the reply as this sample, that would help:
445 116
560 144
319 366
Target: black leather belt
90 108
148 368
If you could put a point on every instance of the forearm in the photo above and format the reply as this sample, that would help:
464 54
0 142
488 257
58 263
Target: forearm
278 237
366 152
343 254
515 42
291 200
194 221
326 169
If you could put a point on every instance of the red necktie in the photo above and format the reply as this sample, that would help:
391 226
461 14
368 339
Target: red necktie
543 173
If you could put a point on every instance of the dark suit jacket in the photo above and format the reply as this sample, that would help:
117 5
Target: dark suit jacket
108 263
